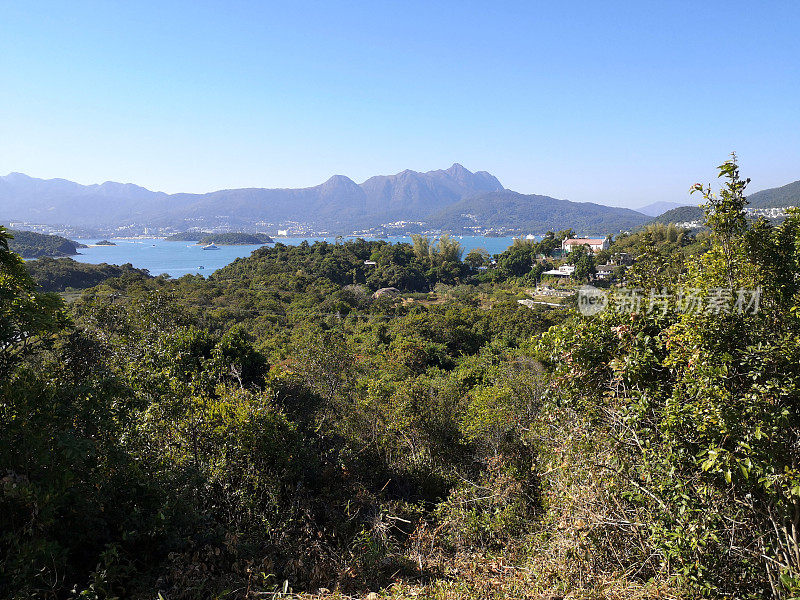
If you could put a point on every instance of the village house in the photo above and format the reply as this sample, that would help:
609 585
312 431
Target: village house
604 271
594 244
562 271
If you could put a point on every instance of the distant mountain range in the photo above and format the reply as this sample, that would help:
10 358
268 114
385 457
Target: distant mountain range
438 198
453 199
780 197
660 207
339 203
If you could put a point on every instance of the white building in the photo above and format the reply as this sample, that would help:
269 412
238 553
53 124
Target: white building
595 244
562 271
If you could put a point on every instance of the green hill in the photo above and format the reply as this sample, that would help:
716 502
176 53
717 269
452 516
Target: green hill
193 235
60 274
235 239
33 245
682 214
787 195
535 214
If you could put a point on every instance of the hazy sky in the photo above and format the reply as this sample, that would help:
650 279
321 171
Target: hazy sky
615 102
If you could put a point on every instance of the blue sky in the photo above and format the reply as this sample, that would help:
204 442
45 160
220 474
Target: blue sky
620 103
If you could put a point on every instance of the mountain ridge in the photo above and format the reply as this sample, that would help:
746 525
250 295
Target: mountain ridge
339 199
338 205
655 209
777 197
536 214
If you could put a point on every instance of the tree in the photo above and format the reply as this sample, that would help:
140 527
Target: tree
725 212
583 260
448 250
517 260
24 313
477 257
422 246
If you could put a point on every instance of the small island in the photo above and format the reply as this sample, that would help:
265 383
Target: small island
204 238
235 239
105 243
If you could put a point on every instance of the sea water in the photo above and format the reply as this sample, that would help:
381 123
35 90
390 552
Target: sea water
176 259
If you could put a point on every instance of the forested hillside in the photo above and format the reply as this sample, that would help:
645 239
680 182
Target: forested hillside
281 428
786 195
221 239
33 245
62 274
235 239
534 214
683 214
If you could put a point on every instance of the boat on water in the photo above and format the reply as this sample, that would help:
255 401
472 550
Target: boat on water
211 246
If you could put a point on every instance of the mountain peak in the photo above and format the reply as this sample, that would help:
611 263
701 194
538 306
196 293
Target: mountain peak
458 170
16 176
340 185
339 180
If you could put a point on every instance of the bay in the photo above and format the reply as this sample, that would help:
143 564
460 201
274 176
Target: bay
177 259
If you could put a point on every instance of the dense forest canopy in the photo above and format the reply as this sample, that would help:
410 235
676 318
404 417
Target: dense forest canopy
275 427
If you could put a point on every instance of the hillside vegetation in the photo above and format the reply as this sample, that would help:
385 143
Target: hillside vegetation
534 214
277 429
33 245
62 274
787 195
235 239
193 235
682 214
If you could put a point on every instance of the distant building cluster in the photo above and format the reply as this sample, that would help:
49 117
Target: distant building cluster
769 213
690 224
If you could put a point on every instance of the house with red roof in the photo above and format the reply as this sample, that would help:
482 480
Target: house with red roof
594 244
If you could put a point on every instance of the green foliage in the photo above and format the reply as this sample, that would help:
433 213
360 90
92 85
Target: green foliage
681 214
59 275
193 235
477 257
274 427
702 407
25 315
584 263
271 423
725 213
